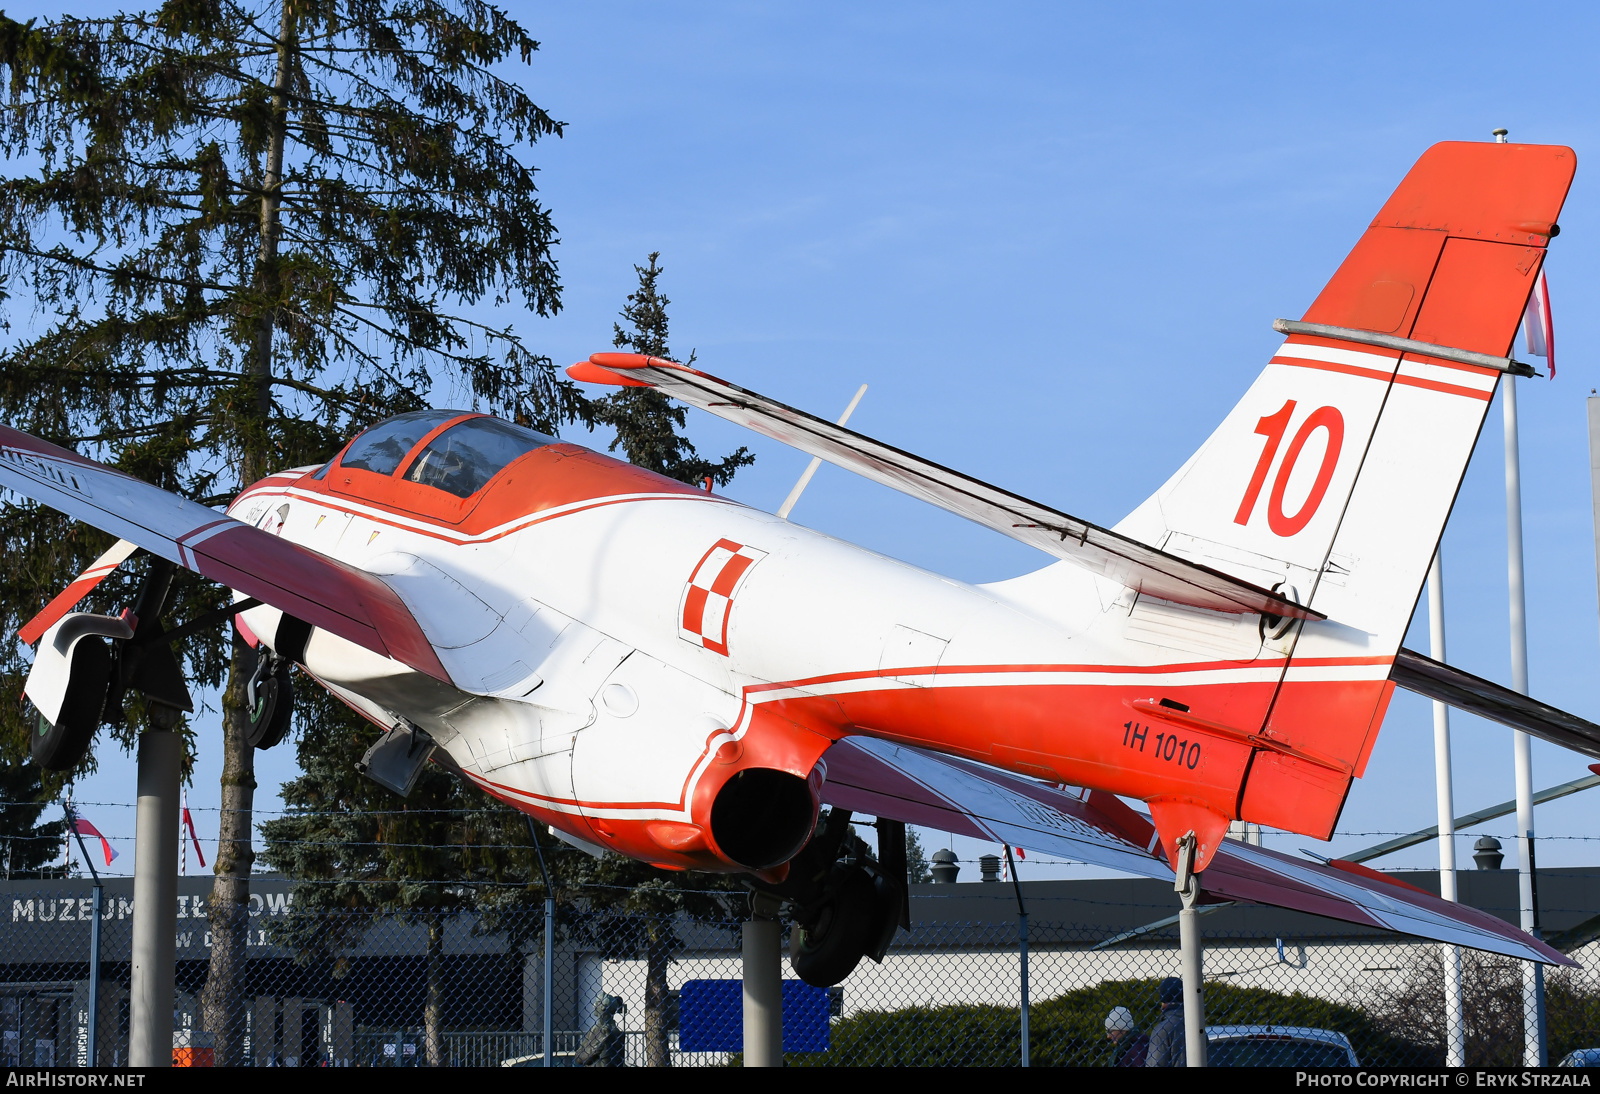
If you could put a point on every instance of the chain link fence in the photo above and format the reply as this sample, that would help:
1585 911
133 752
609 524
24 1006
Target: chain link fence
629 990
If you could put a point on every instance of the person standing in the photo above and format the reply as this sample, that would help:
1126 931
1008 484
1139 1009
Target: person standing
1167 1040
605 1044
1128 1044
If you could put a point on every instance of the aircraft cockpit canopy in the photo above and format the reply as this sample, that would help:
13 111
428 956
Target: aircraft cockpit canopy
463 458
382 448
459 460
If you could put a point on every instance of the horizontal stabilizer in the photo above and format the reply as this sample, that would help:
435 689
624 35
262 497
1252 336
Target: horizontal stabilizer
1127 561
1475 695
312 587
69 598
901 783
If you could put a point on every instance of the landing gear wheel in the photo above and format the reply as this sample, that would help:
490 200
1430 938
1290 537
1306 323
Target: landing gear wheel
269 699
60 747
841 934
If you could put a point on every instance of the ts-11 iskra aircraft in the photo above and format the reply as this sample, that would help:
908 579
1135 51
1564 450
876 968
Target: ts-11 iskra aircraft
655 670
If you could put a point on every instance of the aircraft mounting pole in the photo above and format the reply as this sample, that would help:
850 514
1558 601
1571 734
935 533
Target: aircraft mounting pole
1455 1048
1194 1005
1022 956
763 984
1534 1054
155 901
546 1026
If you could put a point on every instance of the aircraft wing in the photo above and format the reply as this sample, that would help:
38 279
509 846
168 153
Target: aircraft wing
919 787
324 592
1475 695
1135 565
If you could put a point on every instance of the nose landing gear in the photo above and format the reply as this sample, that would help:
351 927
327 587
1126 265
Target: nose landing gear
269 697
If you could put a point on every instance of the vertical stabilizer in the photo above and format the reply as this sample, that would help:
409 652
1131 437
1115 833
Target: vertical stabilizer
1334 476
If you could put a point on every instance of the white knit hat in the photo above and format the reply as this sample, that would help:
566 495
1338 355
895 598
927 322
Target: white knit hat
1119 1018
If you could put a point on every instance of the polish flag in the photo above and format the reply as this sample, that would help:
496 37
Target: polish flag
188 822
1537 326
84 828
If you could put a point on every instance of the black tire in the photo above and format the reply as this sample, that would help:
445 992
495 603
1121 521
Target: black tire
835 943
62 746
274 710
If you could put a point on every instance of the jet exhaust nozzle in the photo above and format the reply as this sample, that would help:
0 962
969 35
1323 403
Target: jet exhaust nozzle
762 817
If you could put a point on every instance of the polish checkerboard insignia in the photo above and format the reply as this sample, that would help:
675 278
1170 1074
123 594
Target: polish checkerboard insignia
707 599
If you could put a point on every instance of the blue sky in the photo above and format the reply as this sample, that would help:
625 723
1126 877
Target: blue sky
1052 238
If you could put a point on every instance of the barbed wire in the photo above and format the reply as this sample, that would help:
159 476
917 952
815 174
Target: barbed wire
490 809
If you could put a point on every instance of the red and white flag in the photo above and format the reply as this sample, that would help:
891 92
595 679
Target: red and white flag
1537 326
84 828
188 822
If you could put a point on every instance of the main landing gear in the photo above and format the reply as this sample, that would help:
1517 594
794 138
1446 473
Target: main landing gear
846 904
86 664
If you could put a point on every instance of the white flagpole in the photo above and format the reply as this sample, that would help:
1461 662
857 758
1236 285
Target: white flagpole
1455 1048
1532 972
1533 1051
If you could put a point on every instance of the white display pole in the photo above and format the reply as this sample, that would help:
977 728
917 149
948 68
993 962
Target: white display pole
1594 477
1533 1054
1455 1049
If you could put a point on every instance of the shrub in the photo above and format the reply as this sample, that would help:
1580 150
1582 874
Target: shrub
1069 1030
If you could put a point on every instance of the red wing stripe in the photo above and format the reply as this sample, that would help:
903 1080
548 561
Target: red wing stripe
291 578
195 534
308 586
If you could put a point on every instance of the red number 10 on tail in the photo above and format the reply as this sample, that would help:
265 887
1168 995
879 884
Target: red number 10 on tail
1273 427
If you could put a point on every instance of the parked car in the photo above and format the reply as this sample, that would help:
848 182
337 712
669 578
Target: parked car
1581 1057
1278 1046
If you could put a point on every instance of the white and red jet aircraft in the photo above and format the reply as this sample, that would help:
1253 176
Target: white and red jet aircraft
655 670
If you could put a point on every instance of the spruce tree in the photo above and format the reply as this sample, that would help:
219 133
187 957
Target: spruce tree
647 899
447 849
27 847
646 421
364 853
917 872
240 232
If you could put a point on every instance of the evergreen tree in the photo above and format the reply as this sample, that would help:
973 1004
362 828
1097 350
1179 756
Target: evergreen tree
647 425
643 903
445 849
245 231
28 847
646 421
917 871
